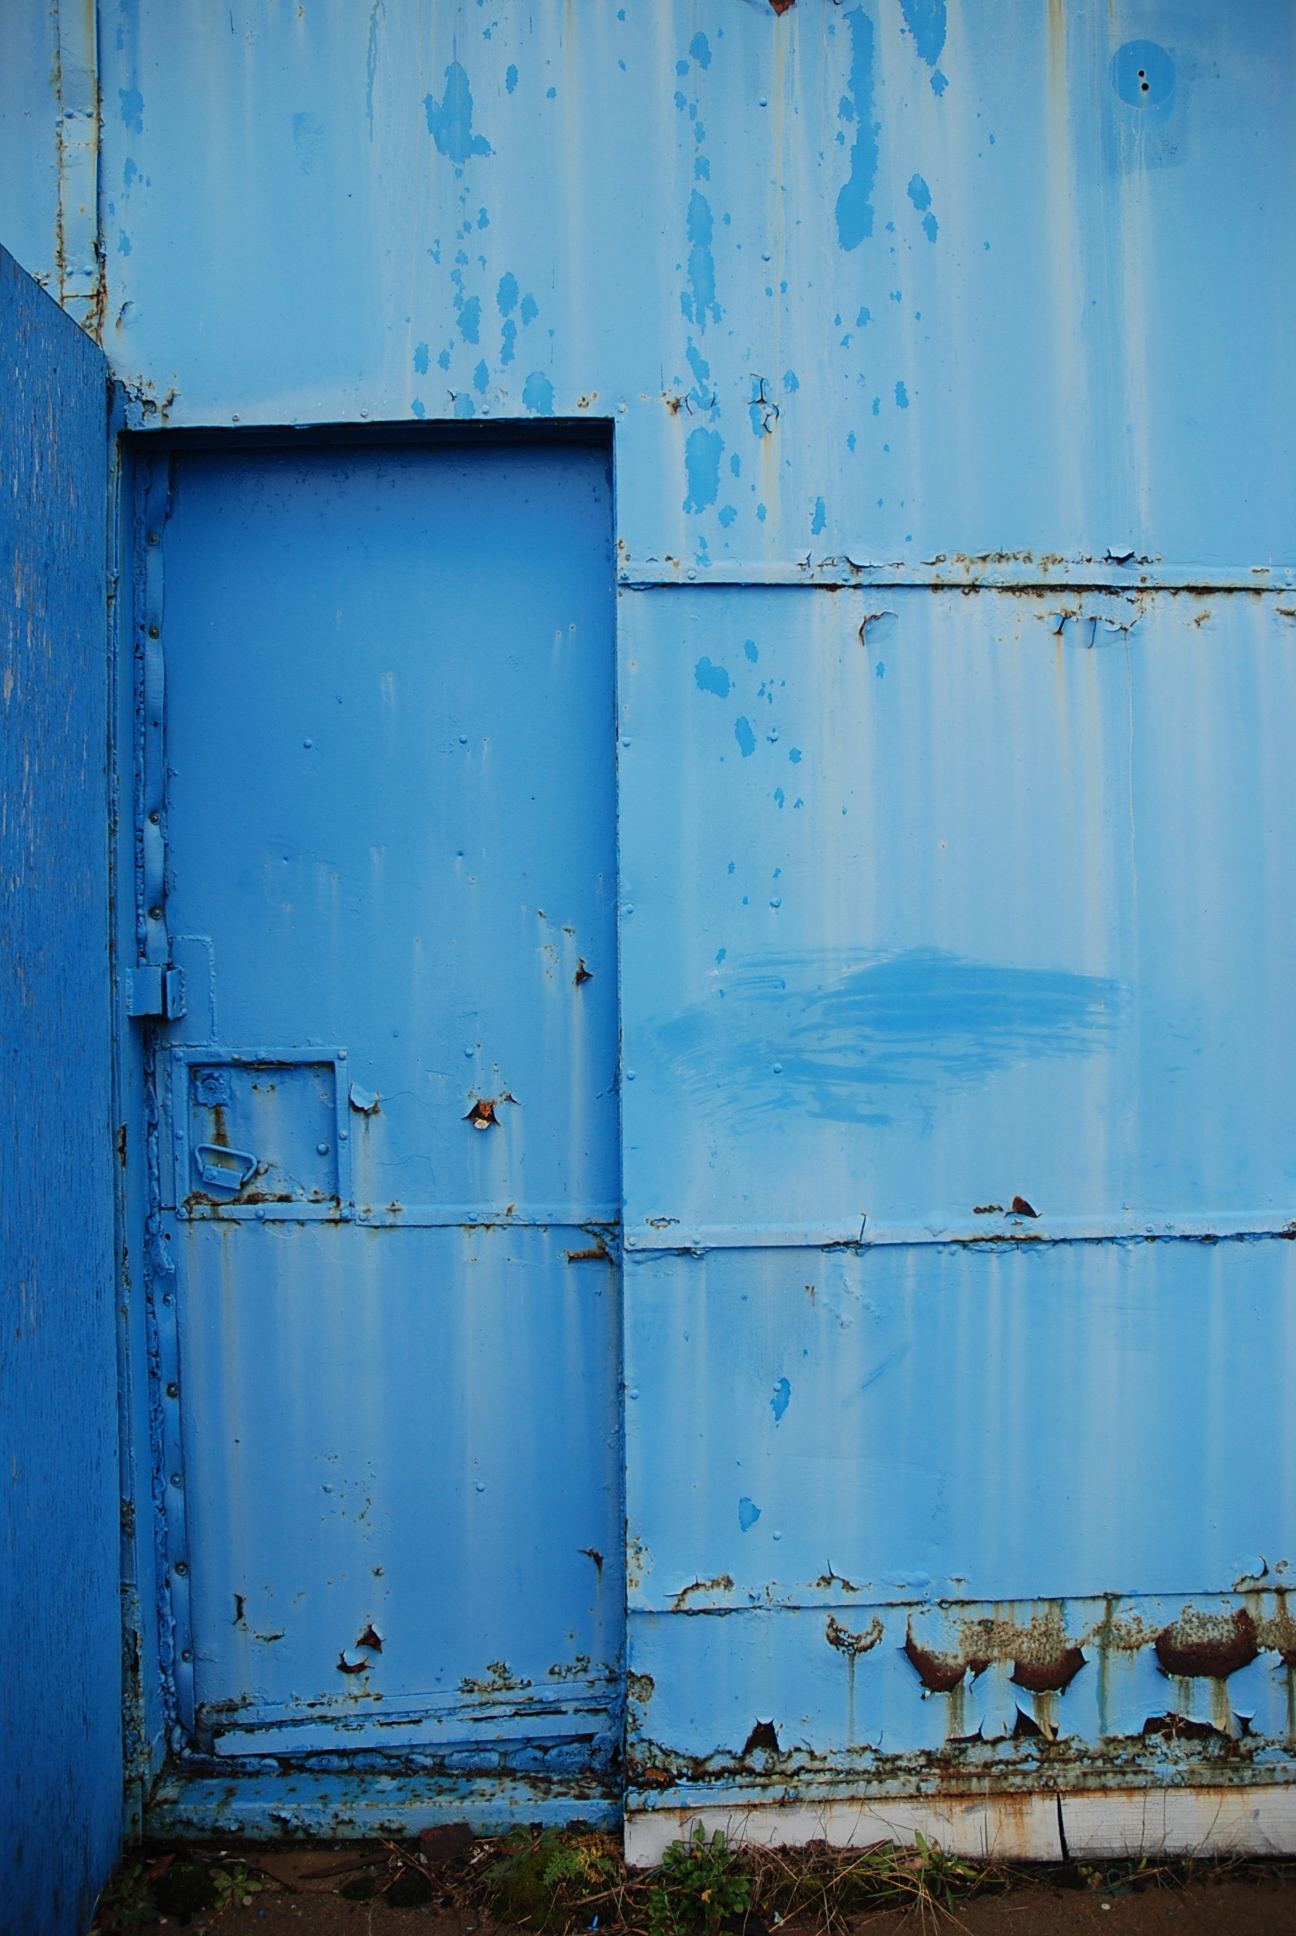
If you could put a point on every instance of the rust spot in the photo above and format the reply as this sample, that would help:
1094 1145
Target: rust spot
1048 1676
583 974
370 1639
986 1209
597 1254
721 1584
482 1114
850 1643
346 1666
763 1735
1020 1208
447 1842
592 1553
1198 1647
939 1673
781 6
1177 1727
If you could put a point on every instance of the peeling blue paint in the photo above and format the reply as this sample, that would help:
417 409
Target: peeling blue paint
745 737
450 119
925 20
538 394
470 319
854 202
421 358
748 1514
507 294
779 1402
698 301
702 455
711 678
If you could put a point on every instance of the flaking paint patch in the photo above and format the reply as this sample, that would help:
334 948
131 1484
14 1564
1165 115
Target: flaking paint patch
855 200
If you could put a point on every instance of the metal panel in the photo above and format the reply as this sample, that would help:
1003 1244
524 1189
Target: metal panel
966 901
393 1453
934 286
60 1737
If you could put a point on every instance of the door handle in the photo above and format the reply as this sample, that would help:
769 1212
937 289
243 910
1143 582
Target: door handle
221 1168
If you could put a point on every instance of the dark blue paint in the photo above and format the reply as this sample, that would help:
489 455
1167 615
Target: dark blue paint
745 737
712 678
781 1399
60 1537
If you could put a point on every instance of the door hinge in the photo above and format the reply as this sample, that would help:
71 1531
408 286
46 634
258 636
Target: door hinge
157 991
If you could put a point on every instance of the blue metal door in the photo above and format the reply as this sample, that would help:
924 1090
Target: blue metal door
388 1172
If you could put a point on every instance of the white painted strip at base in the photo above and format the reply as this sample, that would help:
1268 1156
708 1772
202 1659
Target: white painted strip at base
1011 1828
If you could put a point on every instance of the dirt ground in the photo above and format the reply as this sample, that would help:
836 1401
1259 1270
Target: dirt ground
1245 1899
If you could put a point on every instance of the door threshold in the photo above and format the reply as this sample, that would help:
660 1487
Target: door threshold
278 1804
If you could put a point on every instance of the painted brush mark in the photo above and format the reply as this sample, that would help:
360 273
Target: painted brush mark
876 1040
855 201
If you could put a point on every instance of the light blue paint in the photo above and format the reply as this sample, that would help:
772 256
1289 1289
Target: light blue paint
538 394
745 737
855 199
925 20
698 301
711 678
449 120
781 1398
700 49
892 1359
308 141
702 453
748 1514
506 296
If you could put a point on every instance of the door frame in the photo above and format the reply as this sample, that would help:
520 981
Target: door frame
156 1652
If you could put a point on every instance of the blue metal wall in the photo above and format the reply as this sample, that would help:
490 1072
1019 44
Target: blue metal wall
60 1723
944 346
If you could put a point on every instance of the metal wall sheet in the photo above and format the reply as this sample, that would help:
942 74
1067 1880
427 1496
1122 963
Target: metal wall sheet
879 296
875 280
945 900
60 1509
938 1423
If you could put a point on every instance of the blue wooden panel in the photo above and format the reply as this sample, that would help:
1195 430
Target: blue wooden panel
394 1520
60 1731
